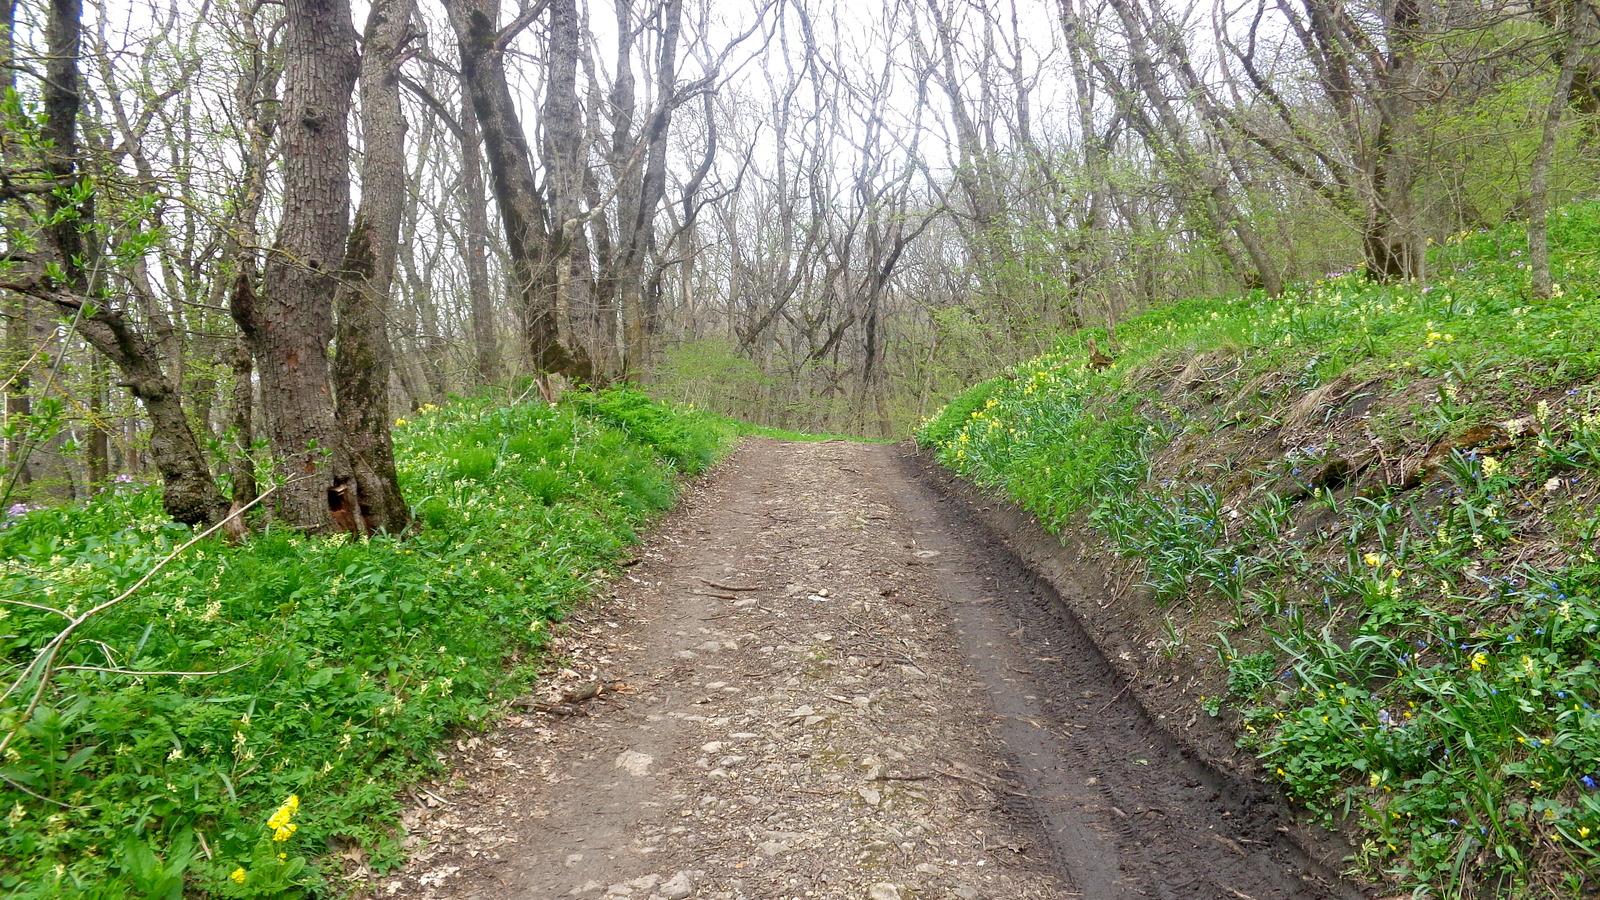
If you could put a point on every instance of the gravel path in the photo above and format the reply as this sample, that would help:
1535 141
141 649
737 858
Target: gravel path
822 679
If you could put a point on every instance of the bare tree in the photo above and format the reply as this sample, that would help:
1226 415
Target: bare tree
72 281
524 215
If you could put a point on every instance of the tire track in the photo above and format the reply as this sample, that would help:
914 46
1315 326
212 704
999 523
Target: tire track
1128 811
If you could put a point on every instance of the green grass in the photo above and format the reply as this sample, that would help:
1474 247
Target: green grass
343 663
1417 664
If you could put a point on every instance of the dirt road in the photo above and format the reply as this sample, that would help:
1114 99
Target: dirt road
827 681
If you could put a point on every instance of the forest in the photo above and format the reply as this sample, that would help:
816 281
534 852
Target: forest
329 328
807 216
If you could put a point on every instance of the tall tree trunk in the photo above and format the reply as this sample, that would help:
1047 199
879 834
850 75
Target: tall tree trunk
14 370
256 87
289 326
241 412
623 105
97 454
1579 24
564 156
636 237
475 222
522 210
365 357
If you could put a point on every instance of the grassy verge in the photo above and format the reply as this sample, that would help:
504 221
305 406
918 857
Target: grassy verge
1382 500
341 664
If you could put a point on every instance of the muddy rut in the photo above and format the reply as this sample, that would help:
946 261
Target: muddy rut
825 679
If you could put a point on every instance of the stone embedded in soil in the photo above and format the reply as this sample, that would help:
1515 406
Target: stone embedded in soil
678 887
634 763
883 890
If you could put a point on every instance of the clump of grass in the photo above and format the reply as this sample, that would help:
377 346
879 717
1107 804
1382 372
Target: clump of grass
1417 663
341 664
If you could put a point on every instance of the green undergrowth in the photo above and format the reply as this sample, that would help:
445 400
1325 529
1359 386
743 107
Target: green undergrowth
1409 647
783 434
340 665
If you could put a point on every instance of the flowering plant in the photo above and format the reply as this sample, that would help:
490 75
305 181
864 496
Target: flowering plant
271 871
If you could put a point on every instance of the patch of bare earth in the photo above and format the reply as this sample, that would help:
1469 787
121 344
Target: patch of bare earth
820 681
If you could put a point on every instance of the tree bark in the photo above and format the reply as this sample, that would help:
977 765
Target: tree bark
18 396
365 356
564 157
288 328
256 87
635 239
241 410
475 224
523 214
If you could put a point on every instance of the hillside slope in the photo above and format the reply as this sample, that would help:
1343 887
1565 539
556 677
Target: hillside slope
1356 523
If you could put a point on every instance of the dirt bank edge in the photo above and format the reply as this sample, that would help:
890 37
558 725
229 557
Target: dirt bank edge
1100 591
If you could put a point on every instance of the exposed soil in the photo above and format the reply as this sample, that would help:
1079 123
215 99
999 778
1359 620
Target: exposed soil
827 677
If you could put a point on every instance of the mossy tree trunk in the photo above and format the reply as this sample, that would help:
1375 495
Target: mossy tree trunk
365 357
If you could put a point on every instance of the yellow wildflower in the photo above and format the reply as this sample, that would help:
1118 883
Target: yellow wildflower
238 875
1479 661
282 828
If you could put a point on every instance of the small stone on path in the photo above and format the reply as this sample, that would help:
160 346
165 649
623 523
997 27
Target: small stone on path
634 763
678 887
